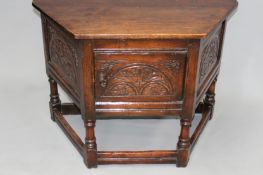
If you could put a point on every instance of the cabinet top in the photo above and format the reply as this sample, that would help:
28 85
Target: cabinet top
137 19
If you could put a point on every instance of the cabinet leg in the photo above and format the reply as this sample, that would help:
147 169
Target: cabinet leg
183 145
209 100
90 149
54 103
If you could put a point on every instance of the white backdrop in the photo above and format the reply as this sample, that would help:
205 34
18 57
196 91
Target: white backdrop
31 144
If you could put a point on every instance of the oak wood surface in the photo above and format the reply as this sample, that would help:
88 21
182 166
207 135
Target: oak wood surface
133 59
104 19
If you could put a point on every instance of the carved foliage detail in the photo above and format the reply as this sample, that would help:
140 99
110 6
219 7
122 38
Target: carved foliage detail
63 56
173 65
136 80
209 57
103 72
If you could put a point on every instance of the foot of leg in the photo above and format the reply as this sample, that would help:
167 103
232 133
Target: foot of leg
183 146
209 101
54 103
90 149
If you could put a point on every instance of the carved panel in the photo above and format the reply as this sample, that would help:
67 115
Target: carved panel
209 57
64 58
138 80
142 74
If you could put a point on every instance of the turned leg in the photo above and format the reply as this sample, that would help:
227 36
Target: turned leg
90 148
183 146
209 100
54 103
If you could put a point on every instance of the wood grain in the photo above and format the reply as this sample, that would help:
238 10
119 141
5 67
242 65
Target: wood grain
93 19
133 59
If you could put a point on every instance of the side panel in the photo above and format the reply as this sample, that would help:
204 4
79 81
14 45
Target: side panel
210 57
62 58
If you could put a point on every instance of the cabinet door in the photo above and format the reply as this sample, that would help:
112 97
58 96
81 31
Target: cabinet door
140 75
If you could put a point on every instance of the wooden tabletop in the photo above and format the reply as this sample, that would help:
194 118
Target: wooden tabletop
103 19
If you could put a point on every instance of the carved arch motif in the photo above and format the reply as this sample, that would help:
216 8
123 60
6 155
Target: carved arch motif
63 56
138 80
209 57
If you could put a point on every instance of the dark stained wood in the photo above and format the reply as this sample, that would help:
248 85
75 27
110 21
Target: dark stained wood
183 145
62 56
165 160
54 103
199 108
190 84
209 100
88 104
133 59
97 19
137 154
90 148
211 65
132 73
70 109
122 73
